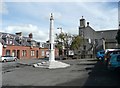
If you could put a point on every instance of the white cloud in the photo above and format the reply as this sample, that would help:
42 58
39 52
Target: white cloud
66 15
39 34
101 16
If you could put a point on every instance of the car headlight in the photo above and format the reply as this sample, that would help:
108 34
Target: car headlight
109 63
105 59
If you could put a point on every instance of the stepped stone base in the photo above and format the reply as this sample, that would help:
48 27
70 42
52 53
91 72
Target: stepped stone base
51 64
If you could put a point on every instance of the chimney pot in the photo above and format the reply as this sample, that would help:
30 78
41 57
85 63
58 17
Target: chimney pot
19 33
87 23
30 35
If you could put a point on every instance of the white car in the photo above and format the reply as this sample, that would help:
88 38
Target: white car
8 58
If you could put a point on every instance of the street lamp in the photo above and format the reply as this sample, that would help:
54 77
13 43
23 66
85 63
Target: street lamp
61 39
103 41
60 29
60 33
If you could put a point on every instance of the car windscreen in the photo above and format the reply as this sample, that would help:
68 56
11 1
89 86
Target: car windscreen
102 52
7 56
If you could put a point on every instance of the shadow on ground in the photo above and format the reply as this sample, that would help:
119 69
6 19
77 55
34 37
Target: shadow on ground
98 75
101 76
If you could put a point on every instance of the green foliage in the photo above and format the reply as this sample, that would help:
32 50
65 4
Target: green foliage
62 39
76 42
69 41
118 36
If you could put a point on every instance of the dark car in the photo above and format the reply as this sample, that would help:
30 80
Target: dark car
114 62
109 53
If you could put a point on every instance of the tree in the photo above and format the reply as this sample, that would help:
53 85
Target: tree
76 42
118 36
58 45
63 41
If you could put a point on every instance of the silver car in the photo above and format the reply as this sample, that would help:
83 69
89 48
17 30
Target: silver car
8 58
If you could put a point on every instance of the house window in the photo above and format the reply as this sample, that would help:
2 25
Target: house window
13 53
32 53
7 52
11 41
24 52
33 44
43 53
42 45
6 40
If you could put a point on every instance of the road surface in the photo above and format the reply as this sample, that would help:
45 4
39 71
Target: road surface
82 72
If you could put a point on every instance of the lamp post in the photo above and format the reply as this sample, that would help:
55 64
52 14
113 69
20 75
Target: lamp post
103 41
60 29
61 38
60 33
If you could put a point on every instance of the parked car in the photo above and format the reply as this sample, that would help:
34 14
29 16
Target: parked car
114 62
109 53
100 55
8 58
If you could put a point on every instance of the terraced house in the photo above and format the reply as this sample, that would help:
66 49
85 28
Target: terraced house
24 47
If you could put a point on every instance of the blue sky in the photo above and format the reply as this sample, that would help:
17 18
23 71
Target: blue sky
34 17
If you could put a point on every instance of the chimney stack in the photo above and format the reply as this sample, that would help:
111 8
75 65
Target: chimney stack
19 33
87 24
31 35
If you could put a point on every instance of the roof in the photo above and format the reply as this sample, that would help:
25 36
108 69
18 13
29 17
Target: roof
16 38
107 34
110 40
107 30
2 41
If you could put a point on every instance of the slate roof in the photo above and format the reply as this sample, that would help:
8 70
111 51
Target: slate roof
25 41
2 41
107 34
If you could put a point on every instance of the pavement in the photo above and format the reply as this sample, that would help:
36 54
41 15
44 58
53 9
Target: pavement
28 61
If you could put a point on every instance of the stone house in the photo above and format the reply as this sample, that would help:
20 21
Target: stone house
96 40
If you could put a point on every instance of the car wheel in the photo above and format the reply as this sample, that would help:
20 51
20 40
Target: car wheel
4 60
100 58
15 59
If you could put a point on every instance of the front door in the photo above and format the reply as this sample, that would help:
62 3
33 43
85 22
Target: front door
37 54
18 54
